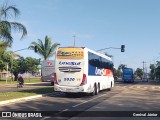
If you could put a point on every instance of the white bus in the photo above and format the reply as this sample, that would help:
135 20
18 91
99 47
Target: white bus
47 71
81 70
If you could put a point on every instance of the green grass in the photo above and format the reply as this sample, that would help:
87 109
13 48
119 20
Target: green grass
26 80
24 93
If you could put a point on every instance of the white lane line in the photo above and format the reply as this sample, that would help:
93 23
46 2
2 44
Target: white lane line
45 118
65 110
56 113
62 111
88 101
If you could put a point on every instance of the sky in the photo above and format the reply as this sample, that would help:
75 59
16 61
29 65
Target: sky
97 24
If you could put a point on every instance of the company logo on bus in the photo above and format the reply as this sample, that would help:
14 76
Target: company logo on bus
69 63
60 53
103 72
49 63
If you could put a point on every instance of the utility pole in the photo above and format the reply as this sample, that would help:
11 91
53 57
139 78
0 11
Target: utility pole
143 70
74 36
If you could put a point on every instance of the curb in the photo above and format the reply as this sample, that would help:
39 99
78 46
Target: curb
23 99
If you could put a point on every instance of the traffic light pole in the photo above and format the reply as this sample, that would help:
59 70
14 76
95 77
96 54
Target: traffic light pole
108 48
122 48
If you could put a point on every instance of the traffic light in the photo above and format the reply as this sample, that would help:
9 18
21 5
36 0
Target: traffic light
36 49
122 48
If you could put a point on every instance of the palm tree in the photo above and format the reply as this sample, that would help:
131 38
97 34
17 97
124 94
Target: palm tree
121 67
46 49
3 46
6 26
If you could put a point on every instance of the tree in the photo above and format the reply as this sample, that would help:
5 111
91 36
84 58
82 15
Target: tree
7 13
114 72
152 72
46 49
22 65
157 70
2 65
158 73
32 65
121 67
119 73
19 66
3 62
3 47
139 72
119 70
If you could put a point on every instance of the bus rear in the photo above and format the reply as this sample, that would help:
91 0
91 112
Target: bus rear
47 70
69 74
128 75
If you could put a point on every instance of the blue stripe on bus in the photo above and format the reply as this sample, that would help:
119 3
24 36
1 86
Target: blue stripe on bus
91 70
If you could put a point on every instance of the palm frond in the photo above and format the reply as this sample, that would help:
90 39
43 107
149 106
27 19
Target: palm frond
5 32
19 27
41 44
8 11
47 43
6 27
53 49
4 44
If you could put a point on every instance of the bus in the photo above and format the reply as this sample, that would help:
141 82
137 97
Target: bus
47 71
81 70
128 75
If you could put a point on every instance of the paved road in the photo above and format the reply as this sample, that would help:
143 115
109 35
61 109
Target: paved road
123 97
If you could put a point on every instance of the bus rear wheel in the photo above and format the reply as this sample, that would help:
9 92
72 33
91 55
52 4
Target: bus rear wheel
110 86
95 90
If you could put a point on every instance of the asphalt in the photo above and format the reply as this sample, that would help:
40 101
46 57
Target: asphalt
28 86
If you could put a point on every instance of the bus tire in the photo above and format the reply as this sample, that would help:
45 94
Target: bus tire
52 83
98 89
110 87
94 90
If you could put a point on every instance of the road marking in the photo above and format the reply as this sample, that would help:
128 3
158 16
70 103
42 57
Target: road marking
45 118
138 86
88 101
65 110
